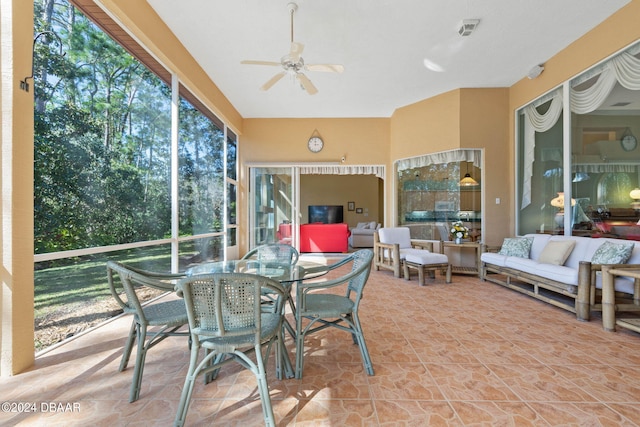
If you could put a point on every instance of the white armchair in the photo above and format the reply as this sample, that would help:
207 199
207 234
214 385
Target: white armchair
392 246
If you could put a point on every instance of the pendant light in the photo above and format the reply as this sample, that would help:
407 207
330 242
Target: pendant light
467 181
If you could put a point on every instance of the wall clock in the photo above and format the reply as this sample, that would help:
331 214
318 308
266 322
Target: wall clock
315 144
629 142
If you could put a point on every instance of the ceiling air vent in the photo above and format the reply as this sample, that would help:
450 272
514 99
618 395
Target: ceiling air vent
467 26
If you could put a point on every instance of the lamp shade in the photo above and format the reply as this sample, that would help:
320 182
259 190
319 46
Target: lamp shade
635 194
467 181
558 201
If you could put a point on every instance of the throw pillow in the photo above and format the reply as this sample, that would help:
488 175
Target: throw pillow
556 252
612 253
516 246
373 225
362 225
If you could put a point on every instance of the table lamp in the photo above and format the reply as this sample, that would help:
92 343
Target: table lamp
635 195
558 202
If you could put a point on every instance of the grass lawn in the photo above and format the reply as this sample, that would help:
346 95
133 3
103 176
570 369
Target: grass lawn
72 295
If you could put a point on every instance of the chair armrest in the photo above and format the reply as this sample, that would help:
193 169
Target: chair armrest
423 244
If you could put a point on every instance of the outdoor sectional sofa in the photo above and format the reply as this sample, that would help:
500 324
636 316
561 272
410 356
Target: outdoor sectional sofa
559 269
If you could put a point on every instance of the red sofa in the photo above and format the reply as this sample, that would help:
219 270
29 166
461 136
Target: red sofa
320 237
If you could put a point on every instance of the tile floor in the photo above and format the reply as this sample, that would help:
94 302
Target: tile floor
462 354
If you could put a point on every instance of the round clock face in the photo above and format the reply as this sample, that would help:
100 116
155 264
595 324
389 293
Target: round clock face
629 142
315 144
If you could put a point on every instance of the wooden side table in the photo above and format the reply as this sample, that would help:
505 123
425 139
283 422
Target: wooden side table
609 306
476 246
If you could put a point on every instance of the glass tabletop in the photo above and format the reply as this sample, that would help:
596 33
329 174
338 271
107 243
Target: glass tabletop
283 273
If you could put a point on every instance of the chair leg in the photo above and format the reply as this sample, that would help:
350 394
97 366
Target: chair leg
421 281
299 349
187 390
364 351
406 271
263 389
128 346
139 368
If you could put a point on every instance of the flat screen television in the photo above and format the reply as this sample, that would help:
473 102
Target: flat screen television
326 214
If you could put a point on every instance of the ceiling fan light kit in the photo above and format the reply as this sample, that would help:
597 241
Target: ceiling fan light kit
294 65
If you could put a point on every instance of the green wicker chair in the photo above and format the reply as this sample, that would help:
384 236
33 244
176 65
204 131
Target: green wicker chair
228 320
274 253
168 316
323 310
282 255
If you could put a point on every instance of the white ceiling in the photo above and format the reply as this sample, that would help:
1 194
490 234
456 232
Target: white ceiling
383 45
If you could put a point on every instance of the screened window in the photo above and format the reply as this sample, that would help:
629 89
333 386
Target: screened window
103 166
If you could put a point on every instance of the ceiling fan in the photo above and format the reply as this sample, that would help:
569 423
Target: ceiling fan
294 65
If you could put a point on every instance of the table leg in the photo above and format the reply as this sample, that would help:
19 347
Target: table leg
608 300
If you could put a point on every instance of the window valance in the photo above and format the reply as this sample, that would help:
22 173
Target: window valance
605 167
623 69
459 155
344 170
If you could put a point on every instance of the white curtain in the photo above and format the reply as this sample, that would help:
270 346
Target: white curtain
460 155
623 69
605 167
536 122
343 170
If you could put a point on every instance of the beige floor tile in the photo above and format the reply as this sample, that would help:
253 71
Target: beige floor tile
469 353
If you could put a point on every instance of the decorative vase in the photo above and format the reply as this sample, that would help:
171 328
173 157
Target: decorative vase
458 240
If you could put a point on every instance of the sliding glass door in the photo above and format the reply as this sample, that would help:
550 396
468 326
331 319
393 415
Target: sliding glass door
273 196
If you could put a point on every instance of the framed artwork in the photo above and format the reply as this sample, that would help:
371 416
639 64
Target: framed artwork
351 206
359 210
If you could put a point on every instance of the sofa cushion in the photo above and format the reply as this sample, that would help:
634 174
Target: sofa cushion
393 235
558 273
516 246
612 253
556 252
494 258
362 225
424 257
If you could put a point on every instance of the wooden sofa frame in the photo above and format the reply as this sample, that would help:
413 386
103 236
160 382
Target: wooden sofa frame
585 297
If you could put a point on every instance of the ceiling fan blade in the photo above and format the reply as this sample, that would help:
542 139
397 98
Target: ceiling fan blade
273 80
330 68
306 84
250 62
296 51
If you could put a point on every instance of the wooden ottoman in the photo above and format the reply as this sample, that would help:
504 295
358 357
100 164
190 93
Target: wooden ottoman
426 262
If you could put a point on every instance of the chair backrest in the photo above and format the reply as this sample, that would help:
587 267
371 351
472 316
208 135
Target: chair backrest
129 279
443 231
274 253
393 235
361 269
227 304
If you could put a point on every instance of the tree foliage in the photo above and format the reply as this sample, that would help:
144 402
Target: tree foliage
103 143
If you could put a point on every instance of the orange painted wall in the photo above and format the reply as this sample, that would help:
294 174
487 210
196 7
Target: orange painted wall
363 141
462 118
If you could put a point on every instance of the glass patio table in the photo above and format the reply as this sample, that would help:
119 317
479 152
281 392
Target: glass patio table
286 274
